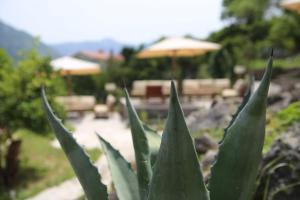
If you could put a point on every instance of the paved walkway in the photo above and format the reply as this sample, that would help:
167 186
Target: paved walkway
114 131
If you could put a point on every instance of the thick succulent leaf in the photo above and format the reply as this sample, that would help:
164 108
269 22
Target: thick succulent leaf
124 179
244 102
141 149
233 174
86 172
154 140
177 174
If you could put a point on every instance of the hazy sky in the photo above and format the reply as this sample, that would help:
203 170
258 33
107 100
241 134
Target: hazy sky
131 21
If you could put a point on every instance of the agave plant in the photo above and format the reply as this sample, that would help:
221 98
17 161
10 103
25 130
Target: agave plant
175 174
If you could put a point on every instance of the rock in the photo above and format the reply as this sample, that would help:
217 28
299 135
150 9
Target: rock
218 116
280 169
207 161
205 143
113 196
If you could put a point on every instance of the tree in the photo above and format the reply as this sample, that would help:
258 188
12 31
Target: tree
20 106
245 11
221 64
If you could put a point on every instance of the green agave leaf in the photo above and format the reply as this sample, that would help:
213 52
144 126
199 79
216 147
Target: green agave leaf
123 177
141 149
86 172
154 140
234 173
177 174
244 102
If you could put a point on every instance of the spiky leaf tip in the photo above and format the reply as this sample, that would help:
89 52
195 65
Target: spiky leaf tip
177 174
234 172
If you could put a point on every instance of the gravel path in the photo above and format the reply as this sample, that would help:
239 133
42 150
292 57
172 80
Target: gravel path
114 131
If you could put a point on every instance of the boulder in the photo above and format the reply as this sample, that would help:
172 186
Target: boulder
205 143
280 169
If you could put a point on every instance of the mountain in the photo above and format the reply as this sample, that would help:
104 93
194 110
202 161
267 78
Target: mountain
106 45
14 41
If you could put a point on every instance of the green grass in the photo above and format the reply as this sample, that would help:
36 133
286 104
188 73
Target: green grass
42 166
278 123
284 63
216 133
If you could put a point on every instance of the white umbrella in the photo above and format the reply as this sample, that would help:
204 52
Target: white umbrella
73 66
68 66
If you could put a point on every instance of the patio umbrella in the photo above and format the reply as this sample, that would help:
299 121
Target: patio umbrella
74 66
291 5
178 47
68 66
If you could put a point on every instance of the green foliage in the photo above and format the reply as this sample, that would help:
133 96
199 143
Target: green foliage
219 64
282 120
19 92
244 10
21 106
91 85
255 26
289 115
283 63
176 173
287 27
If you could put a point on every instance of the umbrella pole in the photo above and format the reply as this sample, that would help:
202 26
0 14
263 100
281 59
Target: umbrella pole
69 85
176 76
174 64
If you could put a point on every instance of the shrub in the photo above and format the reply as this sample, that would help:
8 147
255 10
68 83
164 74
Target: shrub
19 92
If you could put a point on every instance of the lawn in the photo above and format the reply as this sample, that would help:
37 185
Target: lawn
42 165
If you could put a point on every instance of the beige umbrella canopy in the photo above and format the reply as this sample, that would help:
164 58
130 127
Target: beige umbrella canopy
68 66
178 47
291 4
73 66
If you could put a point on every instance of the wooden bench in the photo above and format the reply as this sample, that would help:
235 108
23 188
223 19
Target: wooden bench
78 104
204 87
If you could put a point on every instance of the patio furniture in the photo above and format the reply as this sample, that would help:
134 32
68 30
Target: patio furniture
77 103
139 87
154 91
238 89
204 87
101 111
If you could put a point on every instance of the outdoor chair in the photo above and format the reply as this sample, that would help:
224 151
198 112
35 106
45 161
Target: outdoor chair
155 91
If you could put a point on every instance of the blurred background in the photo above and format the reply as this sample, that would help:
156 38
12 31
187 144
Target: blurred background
84 53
